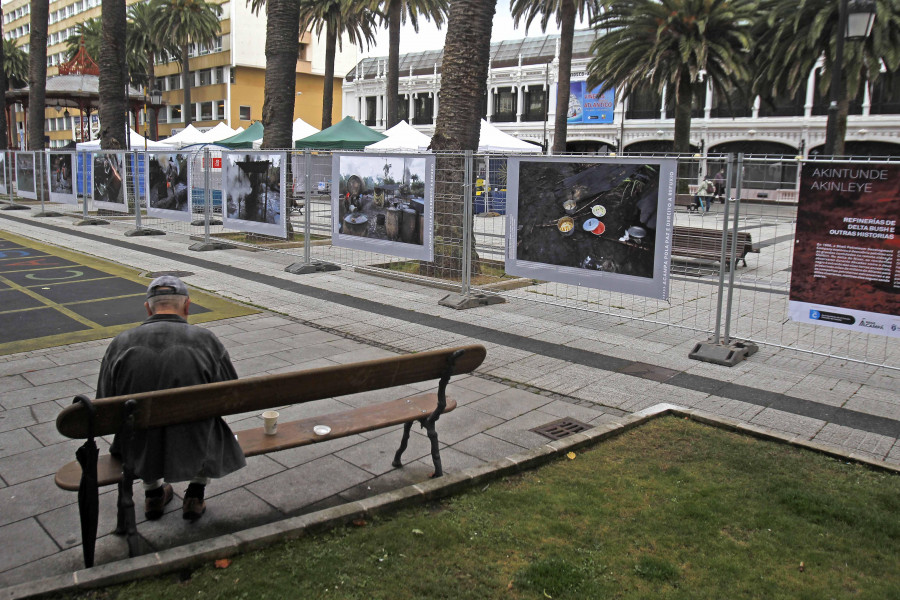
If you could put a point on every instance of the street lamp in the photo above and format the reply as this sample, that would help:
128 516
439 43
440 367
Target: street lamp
855 19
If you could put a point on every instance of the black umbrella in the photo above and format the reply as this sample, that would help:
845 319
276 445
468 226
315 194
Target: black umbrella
88 493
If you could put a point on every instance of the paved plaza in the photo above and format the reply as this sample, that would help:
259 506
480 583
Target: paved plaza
532 376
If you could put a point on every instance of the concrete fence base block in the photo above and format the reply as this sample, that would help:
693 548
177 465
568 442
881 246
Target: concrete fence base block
299 268
727 355
464 301
207 246
143 231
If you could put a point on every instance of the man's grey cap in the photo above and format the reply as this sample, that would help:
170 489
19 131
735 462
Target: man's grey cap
166 285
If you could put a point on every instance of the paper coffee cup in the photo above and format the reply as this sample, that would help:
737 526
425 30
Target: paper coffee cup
270 419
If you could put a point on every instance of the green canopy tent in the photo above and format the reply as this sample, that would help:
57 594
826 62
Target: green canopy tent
349 134
244 140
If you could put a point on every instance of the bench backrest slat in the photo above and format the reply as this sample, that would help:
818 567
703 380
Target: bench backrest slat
194 403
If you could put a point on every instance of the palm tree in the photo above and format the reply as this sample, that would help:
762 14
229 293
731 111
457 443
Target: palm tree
464 73
144 44
672 43
565 12
793 36
337 17
113 80
398 12
186 22
14 74
90 31
37 73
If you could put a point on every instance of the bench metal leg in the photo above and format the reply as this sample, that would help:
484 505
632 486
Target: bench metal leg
435 449
403 443
126 522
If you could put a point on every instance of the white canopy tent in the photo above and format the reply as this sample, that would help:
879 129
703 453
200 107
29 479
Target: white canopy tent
402 137
302 129
219 132
136 143
494 140
187 136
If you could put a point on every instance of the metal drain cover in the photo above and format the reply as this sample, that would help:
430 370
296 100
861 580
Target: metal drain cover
562 428
174 273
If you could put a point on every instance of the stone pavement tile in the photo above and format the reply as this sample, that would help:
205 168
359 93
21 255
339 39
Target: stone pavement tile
376 454
452 461
42 393
350 345
778 420
377 396
887 380
258 365
882 408
855 440
560 409
11 383
361 354
487 447
313 338
241 352
729 408
31 498
222 329
409 474
462 423
263 322
310 482
47 434
509 404
16 442
38 545
22 365
76 355
226 513
461 395
255 335
517 431
64 525
258 467
62 373
41 461
313 364
894 455
303 354
297 328
295 457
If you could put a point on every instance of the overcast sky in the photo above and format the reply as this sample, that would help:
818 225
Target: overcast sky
432 38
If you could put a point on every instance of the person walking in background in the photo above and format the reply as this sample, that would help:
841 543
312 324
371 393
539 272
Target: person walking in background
704 195
166 352
719 181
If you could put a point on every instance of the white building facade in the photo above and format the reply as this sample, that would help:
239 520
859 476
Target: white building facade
522 92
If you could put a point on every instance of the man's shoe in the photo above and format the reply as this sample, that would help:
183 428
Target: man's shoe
193 508
154 506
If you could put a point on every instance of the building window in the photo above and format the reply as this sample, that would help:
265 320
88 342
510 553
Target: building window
206 109
220 110
174 82
244 113
204 77
175 112
162 115
220 75
371 110
536 99
403 107
424 109
886 95
504 105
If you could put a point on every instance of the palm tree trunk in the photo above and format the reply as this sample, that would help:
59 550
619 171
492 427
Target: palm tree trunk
186 85
113 112
4 125
840 129
393 70
328 84
463 85
564 76
282 48
683 100
151 85
37 73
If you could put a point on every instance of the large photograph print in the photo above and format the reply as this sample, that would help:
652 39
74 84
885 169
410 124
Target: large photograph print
846 266
167 187
604 223
61 177
109 182
384 203
254 185
3 167
25 183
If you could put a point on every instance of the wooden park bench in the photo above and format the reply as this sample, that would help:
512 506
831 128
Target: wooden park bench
122 415
706 244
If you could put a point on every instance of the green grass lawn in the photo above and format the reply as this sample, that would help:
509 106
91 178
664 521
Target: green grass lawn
672 509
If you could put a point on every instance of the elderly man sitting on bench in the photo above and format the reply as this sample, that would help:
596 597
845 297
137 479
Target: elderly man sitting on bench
166 352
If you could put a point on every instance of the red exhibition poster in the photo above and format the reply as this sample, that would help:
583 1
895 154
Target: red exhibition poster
846 270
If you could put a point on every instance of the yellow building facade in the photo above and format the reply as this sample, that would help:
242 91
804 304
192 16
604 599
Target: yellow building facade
228 77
